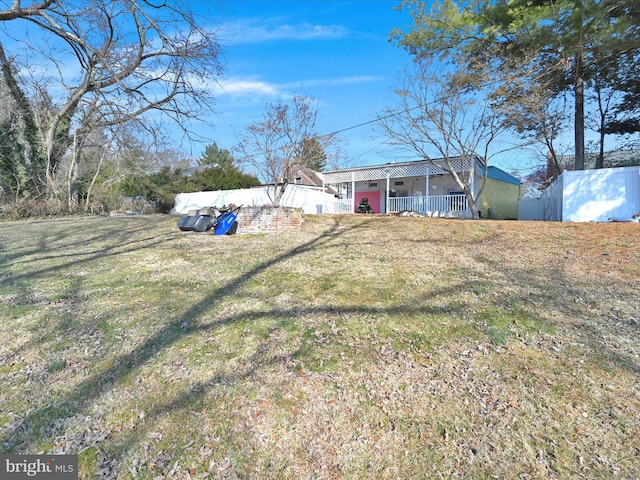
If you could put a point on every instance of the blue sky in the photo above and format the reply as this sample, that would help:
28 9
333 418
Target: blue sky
335 51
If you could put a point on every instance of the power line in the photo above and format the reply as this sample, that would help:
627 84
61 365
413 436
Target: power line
375 120
482 85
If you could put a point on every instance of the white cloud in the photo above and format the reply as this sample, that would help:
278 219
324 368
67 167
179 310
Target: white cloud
329 82
254 87
344 80
261 30
249 87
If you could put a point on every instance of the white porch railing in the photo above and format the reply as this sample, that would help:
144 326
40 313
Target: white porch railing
344 206
432 203
425 205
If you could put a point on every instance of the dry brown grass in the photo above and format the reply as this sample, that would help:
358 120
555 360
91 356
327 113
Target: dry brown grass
353 347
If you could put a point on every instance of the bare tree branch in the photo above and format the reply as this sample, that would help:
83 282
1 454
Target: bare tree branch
275 147
16 10
129 58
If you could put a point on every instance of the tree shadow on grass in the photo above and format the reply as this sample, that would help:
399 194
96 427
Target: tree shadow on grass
590 319
35 261
23 435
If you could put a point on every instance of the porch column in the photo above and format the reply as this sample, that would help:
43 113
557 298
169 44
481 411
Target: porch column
353 193
386 208
427 206
472 164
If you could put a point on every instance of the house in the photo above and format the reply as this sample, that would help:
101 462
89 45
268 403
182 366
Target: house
418 186
596 195
304 176
424 187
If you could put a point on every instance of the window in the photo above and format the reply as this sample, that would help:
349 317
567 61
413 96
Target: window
373 184
298 180
399 183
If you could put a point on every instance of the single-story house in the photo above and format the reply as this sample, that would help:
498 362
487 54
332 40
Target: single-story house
424 187
419 186
595 195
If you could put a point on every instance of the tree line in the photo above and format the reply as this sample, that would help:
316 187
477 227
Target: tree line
88 102
88 89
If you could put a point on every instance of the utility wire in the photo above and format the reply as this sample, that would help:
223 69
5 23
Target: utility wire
375 120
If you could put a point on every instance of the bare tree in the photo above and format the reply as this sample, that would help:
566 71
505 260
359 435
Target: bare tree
278 146
443 117
537 114
107 61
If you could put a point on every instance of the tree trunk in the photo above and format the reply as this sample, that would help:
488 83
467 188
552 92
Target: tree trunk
600 159
31 163
579 113
473 206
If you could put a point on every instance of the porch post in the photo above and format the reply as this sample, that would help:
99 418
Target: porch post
353 193
427 207
472 168
386 208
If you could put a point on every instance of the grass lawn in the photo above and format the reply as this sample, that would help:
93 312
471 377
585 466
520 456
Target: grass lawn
353 347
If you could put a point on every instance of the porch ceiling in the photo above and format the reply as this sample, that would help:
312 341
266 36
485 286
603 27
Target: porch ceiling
390 170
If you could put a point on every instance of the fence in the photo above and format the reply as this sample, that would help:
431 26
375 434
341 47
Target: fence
600 195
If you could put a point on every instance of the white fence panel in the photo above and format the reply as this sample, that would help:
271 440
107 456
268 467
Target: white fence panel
601 195
530 209
309 199
337 206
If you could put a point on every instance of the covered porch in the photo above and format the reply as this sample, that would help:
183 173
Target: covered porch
419 187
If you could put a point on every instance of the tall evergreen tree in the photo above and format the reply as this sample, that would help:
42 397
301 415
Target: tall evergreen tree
558 42
216 156
312 154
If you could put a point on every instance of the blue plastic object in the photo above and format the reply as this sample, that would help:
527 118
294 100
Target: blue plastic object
224 223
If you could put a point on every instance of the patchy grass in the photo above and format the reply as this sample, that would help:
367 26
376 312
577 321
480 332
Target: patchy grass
353 347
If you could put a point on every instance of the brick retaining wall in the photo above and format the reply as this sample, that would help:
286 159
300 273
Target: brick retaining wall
268 219
262 219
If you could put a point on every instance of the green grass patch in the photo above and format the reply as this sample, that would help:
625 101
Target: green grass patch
57 365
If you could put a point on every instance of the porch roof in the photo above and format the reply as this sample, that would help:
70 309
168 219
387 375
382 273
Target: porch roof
415 168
